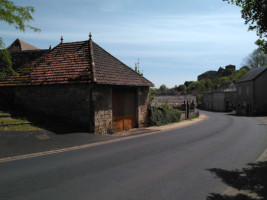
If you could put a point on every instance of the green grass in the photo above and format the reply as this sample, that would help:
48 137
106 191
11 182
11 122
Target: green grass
23 127
7 120
3 113
10 120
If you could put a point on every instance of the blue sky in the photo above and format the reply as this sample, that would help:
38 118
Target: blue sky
175 40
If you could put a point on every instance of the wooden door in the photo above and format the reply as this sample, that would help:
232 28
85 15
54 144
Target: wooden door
124 108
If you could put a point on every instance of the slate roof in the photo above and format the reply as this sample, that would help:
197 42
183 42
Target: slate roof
20 45
252 74
76 62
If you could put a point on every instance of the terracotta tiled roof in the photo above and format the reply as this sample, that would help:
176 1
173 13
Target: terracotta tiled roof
252 74
20 45
76 62
109 70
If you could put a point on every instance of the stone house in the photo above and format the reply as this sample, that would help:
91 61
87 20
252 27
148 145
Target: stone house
251 94
81 83
221 100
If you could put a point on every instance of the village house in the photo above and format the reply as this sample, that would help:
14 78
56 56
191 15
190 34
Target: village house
82 83
251 91
221 100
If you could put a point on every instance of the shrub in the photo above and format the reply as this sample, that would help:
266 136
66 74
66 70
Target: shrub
164 114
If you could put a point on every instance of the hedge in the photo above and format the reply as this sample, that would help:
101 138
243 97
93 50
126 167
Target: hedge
164 114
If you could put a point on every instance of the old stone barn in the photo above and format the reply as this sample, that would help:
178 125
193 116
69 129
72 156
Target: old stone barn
82 83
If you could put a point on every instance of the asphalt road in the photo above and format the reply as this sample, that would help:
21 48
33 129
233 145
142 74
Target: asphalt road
167 165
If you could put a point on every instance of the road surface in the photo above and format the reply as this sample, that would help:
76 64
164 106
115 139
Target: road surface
167 165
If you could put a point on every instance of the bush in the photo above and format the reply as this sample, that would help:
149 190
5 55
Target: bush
164 114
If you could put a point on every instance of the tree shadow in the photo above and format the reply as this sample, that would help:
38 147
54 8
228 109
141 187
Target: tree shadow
252 180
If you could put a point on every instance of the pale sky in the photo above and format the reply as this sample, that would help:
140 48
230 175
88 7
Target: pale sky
175 40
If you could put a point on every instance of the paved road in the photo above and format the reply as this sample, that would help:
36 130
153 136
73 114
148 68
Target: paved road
168 165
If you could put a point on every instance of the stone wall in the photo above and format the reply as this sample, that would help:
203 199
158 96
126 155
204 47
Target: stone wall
142 111
218 101
207 101
244 98
102 101
70 103
87 106
260 102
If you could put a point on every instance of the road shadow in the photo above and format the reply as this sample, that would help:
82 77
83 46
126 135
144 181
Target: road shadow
252 180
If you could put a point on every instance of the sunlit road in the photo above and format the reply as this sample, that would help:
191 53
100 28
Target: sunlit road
168 165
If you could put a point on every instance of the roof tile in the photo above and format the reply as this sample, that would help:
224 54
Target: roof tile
72 63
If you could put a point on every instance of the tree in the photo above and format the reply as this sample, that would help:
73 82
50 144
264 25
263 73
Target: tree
256 59
209 84
240 73
255 15
16 16
163 87
187 83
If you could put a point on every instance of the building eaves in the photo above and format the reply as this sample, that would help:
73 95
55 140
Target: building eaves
252 74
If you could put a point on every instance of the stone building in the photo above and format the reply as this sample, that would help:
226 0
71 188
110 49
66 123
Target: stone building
207 75
22 53
251 94
220 100
229 69
82 83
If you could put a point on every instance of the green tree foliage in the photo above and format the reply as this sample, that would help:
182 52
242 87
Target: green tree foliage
209 84
240 73
137 68
5 63
197 86
16 16
187 83
162 88
256 59
180 88
255 14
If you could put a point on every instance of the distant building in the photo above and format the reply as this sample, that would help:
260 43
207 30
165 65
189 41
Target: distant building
22 53
207 75
229 69
221 100
251 94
